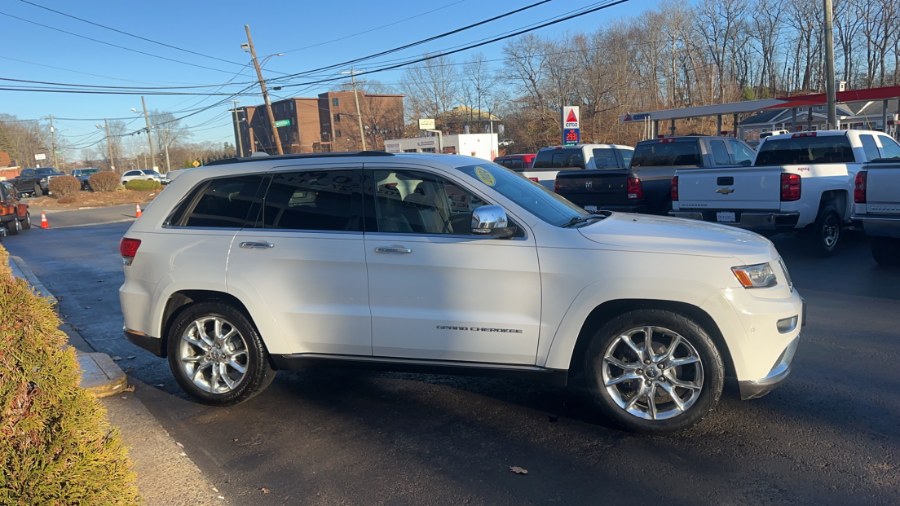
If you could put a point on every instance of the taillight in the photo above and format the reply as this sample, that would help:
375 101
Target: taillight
128 249
536 180
859 191
674 191
790 187
634 188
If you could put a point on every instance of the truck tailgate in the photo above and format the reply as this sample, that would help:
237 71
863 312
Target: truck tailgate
883 188
594 189
732 188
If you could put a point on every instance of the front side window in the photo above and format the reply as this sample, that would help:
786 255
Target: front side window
889 147
414 202
327 200
221 203
626 156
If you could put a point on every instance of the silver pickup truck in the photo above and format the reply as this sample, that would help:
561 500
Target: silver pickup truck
876 198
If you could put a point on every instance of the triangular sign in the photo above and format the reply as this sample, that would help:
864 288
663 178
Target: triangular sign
572 118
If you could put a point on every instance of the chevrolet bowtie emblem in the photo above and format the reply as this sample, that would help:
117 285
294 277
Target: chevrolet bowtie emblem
725 191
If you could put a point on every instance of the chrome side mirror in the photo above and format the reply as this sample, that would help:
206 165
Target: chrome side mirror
491 220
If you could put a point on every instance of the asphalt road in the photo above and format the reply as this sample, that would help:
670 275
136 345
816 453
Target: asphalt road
829 435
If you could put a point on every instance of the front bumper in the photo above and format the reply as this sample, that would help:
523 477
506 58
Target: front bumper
758 388
751 220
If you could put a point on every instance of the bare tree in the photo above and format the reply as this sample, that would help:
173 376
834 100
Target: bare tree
431 88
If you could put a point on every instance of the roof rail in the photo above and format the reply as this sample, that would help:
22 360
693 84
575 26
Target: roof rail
299 156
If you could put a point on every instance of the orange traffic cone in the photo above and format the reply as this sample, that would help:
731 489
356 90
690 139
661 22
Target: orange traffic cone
137 211
44 223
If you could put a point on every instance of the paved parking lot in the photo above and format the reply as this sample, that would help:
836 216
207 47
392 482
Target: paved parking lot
829 435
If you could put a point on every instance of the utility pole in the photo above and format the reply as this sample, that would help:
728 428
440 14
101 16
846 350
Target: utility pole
362 134
265 93
829 65
149 135
112 163
237 129
53 143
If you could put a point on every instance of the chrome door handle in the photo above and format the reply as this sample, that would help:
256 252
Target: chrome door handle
257 245
395 250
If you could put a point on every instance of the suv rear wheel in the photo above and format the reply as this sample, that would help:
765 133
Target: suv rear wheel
216 355
654 371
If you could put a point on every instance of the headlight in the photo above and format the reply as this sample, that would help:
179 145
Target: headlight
755 276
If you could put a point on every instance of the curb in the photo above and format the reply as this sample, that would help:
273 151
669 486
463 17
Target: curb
100 376
20 269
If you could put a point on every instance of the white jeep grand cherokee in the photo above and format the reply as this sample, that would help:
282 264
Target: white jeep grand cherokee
448 263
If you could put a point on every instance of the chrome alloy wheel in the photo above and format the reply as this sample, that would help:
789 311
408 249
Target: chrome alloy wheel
213 354
831 231
652 373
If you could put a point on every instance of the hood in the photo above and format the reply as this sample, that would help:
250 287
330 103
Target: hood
657 234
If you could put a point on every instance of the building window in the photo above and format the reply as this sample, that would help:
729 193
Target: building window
337 133
335 102
337 117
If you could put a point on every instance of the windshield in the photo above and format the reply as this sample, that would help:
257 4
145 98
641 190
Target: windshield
532 197
666 153
801 149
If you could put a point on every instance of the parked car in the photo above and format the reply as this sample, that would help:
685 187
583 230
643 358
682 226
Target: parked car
644 185
552 160
876 200
141 174
35 182
518 163
14 214
799 182
84 176
449 263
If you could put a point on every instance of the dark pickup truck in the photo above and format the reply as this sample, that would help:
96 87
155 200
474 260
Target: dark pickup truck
35 181
645 186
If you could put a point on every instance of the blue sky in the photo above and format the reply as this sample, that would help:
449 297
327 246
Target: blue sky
310 34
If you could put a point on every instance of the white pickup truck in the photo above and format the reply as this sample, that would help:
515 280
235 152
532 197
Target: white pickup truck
802 181
877 206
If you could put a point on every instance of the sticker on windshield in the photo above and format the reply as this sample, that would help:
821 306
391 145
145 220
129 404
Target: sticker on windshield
485 176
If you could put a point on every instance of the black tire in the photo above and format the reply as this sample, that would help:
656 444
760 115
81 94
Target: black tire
696 380
26 222
37 190
825 234
246 349
13 226
886 251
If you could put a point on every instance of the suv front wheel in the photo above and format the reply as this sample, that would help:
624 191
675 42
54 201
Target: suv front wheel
216 355
654 371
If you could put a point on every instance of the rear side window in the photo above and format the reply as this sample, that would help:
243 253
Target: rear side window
626 155
743 155
555 159
801 150
328 200
220 203
869 146
605 158
720 153
668 154
516 164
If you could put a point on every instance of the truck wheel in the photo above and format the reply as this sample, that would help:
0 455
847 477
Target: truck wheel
825 234
217 356
26 223
13 226
37 190
654 371
886 251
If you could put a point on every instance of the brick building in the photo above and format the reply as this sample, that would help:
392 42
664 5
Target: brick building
326 123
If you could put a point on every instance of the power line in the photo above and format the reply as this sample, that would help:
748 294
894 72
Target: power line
130 34
74 71
97 86
111 44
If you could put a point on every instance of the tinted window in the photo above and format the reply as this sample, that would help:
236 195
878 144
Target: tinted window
719 152
800 150
869 146
512 163
224 202
559 158
605 158
626 156
666 153
314 200
889 147
743 155
419 203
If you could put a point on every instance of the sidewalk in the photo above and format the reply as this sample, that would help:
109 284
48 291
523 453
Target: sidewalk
166 476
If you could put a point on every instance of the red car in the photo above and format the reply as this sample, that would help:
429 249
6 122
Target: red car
517 163
14 215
